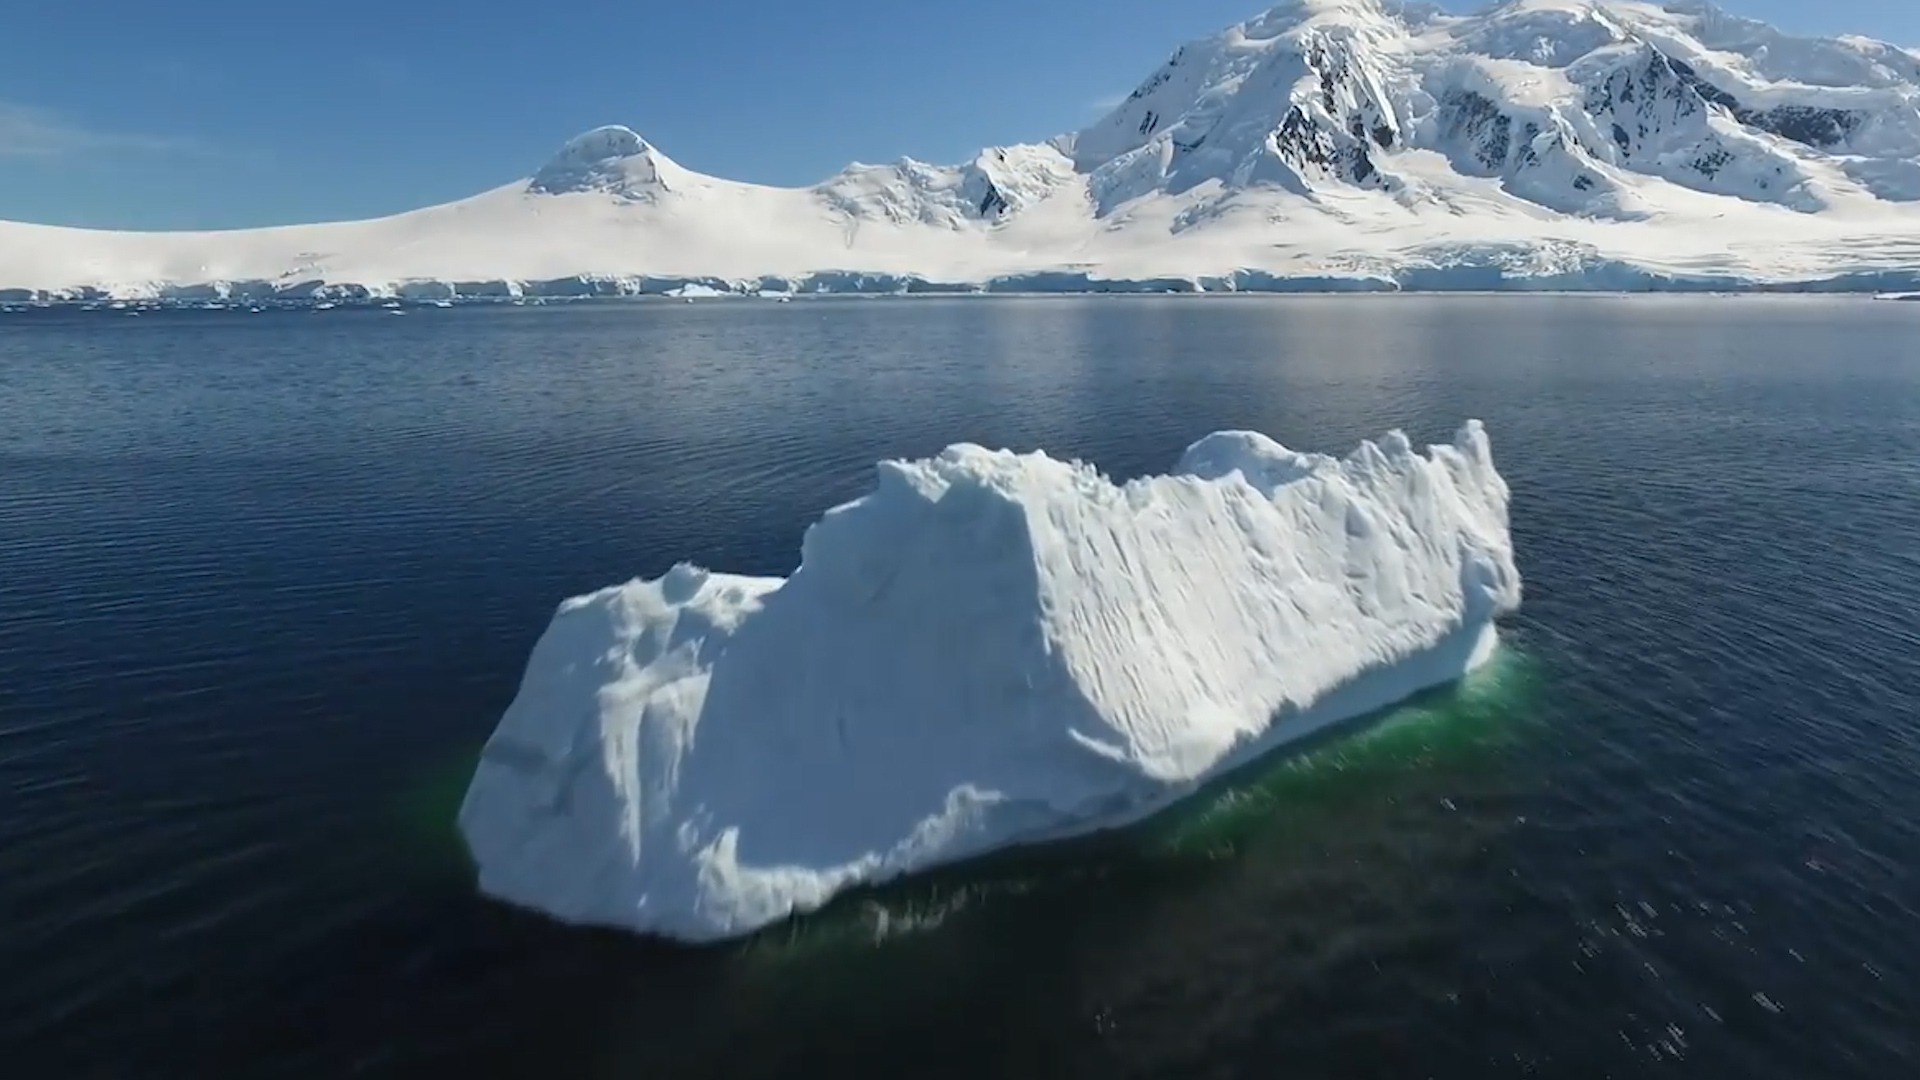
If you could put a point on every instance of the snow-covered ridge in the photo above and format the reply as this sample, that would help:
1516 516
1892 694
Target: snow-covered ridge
611 159
988 649
1322 144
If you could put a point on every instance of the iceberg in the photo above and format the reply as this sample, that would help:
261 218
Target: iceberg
987 649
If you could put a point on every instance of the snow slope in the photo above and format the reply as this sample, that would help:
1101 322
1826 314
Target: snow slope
1322 144
987 649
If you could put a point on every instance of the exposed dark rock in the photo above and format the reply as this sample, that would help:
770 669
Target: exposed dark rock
1476 121
1701 86
1804 124
1819 128
1158 78
1650 94
1360 164
1340 148
1710 163
993 203
1300 140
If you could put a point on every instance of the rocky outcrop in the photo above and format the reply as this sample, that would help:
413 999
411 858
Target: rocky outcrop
1820 128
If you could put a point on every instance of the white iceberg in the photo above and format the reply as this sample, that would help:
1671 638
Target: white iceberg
988 649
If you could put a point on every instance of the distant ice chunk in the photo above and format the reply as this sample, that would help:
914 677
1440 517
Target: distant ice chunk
988 649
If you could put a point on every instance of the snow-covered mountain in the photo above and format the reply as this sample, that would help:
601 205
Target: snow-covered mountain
1345 144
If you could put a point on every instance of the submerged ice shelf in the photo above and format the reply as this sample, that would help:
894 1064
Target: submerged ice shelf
988 649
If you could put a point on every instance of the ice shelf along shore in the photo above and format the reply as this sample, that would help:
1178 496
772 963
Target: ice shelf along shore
987 649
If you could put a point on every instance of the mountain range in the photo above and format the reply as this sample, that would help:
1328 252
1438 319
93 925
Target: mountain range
1322 145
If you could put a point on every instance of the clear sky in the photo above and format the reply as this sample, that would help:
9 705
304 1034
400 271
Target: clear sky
223 113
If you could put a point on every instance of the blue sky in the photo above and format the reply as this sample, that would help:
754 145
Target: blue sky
127 113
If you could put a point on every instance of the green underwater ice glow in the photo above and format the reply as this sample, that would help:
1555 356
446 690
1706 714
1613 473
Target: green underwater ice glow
1442 741
1421 748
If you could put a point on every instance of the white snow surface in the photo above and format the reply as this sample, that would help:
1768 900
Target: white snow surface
988 649
1325 144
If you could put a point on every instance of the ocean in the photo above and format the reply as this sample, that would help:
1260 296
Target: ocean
267 580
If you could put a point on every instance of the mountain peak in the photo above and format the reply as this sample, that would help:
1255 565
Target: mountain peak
1301 9
611 158
603 142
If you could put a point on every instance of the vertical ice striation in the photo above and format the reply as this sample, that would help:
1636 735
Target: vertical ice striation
987 649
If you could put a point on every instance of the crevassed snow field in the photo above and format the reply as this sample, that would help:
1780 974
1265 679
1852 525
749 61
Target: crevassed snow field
1326 144
988 649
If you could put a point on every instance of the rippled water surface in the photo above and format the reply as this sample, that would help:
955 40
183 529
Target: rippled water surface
267 581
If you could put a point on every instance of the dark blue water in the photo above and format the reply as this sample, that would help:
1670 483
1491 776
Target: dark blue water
267 581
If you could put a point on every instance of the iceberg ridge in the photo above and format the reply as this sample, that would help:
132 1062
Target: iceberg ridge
988 649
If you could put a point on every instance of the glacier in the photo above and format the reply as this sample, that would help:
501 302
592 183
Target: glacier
1322 145
987 649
